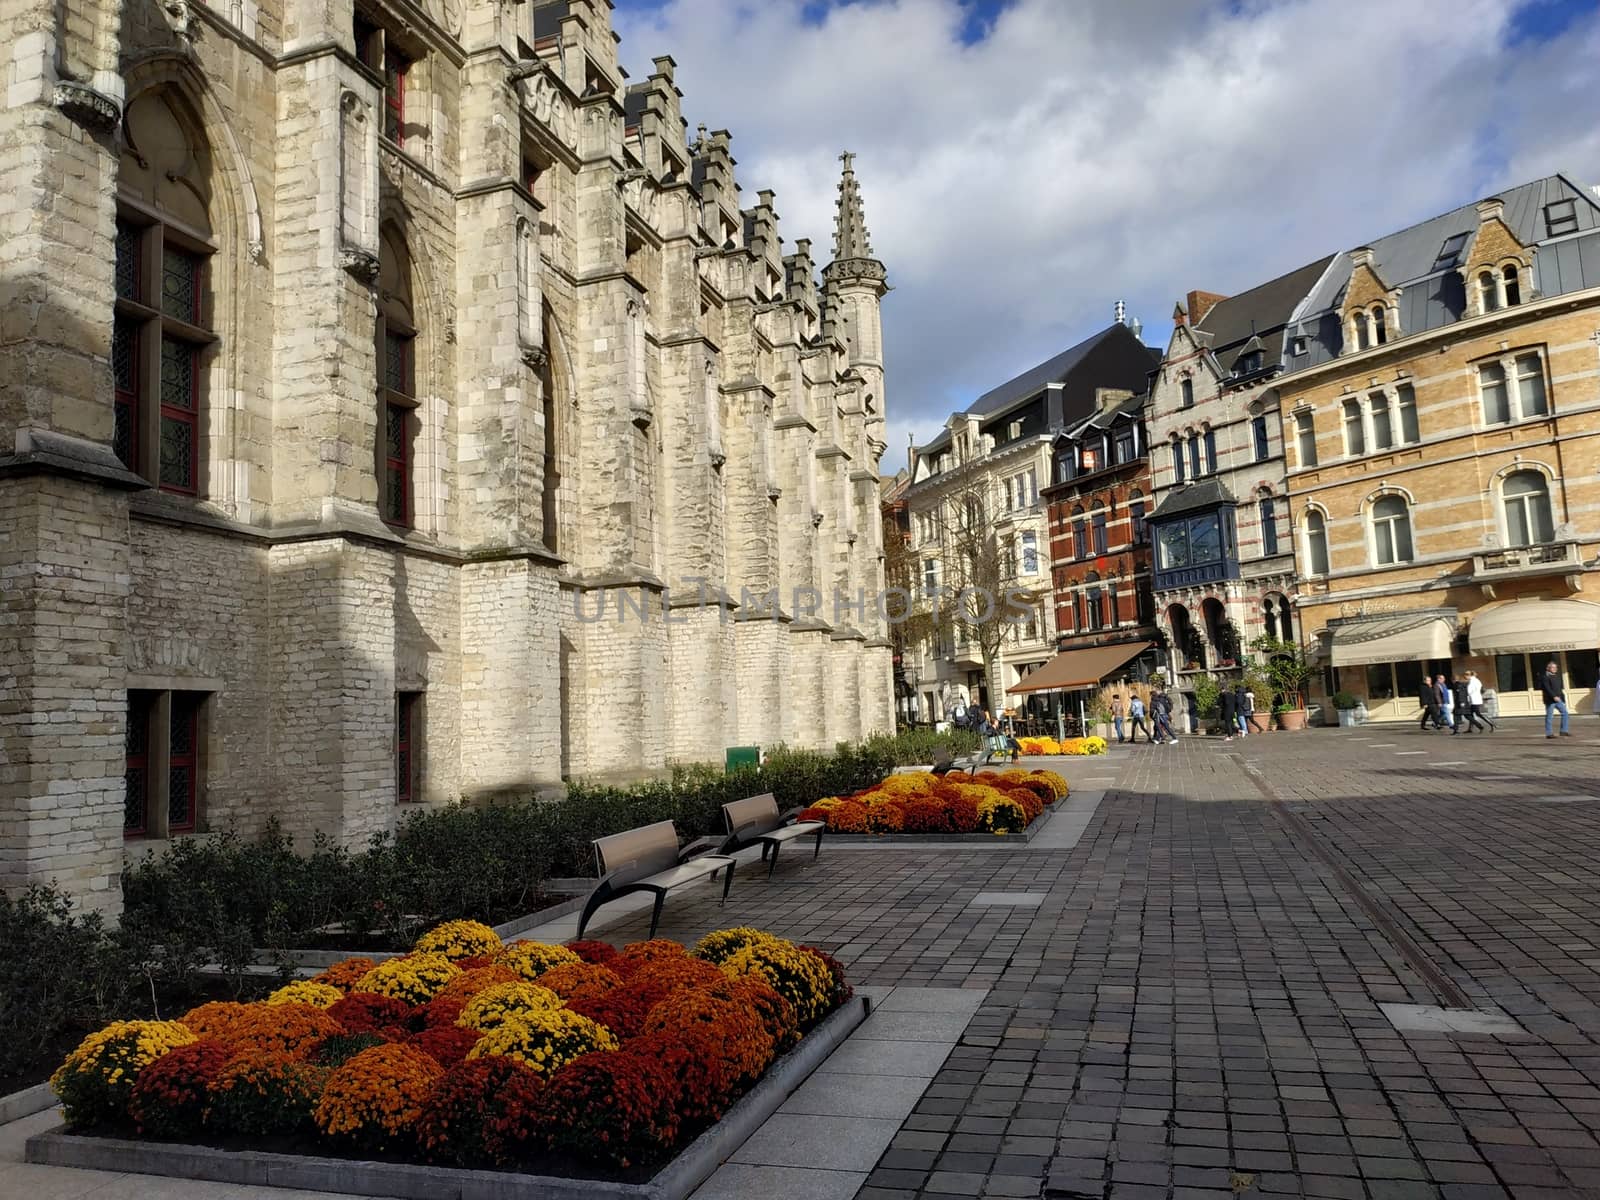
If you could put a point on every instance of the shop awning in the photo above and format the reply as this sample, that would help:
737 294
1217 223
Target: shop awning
1079 668
1399 637
1536 625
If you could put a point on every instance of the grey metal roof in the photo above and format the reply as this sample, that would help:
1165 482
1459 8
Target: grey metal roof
1193 497
1432 295
1260 313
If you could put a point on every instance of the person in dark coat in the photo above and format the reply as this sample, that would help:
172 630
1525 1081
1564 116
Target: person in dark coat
1428 697
1463 705
1555 699
1230 714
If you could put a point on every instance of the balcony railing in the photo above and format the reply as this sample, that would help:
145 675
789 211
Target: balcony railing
1549 558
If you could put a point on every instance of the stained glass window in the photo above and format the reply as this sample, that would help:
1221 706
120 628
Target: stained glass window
180 284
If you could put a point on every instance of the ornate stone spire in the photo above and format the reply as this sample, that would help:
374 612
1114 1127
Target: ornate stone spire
852 249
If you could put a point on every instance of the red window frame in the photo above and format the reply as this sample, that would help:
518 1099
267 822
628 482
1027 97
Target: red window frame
398 463
137 759
395 66
186 416
404 743
185 712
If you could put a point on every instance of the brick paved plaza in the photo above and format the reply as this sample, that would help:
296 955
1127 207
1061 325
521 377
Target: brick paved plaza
1185 1003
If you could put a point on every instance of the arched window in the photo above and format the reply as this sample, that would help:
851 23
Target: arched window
1194 455
550 509
397 380
1527 502
1391 531
1186 388
1080 539
1487 294
1513 287
1316 543
1380 333
1269 617
1177 460
1355 430
163 324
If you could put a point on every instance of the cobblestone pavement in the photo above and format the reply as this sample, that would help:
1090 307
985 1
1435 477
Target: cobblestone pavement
1186 1003
1192 1009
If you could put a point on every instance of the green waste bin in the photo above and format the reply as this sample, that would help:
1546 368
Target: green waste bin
743 756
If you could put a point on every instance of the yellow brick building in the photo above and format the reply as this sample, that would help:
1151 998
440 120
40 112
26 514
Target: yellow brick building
1441 405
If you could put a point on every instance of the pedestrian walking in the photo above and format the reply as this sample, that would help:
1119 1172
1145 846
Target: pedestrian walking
1119 710
1136 720
1161 708
1428 697
1475 715
1555 699
1462 706
1447 701
1245 700
1230 714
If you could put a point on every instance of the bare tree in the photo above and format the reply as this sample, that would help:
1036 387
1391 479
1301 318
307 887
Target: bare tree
978 600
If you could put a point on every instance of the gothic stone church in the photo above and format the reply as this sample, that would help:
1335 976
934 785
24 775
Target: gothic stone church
397 407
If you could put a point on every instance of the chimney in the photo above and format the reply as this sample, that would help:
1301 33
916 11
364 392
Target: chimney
1200 303
1361 256
1492 209
1136 327
1120 313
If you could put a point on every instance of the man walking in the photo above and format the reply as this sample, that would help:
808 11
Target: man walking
1428 697
1555 698
1446 702
1230 714
1475 703
1136 718
1118 711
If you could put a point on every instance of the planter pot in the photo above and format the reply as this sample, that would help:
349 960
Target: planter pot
1295 718
1347 718
1258 722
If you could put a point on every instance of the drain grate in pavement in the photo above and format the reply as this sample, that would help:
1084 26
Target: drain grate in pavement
1007 900
1430 1018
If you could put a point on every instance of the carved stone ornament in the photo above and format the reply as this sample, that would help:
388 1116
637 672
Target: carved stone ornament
182 21
535 357
363 264
89 108
717 459
816 520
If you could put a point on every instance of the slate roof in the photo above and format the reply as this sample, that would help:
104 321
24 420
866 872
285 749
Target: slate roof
1193 497
1263 311
1432 294
1052 370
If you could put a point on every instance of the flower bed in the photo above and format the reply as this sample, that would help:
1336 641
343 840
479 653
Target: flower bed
1073 747
469 1053
998 802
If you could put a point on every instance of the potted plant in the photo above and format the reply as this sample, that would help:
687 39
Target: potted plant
1261 688
1288 669
1346 703
1204 698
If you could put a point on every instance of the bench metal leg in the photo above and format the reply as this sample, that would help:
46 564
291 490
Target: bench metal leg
727 881
655 915
597 897
818 850
773 862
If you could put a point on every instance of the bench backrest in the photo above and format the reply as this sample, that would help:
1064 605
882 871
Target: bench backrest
758 814
941 757
638 852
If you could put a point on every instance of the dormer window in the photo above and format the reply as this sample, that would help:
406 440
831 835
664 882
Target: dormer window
1513 288
1014 430
1248 363
1380 333
1561 217
1488 294
1450 251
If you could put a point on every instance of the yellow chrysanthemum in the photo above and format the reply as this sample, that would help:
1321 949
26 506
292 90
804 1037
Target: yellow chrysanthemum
532 959
545 1040
503 1002
415 978
306 991
459 939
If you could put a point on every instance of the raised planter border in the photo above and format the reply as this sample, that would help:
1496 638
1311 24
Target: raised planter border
677 1180
25 1103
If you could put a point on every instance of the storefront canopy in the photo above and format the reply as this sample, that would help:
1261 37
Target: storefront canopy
1525 625
1079 668
1399 637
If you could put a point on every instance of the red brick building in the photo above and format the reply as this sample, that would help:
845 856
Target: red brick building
1099 501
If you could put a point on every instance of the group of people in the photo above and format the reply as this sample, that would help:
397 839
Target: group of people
982 722
1452 705
1128 716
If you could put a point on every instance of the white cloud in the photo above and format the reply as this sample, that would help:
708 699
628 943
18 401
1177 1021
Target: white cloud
1132 149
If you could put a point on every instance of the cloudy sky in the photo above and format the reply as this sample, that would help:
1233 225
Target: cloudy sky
1026 163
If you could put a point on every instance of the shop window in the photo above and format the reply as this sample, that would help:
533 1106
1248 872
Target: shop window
163 763
1380 683
1583 668
1408 678
1511 672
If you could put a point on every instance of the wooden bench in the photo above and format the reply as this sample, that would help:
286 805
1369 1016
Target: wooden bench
648 860
758 821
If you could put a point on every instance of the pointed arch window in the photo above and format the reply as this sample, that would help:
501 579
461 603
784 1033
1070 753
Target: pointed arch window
1488 294
1511 283
1269 524
1186 391
1177 460
1380 329
397 375
1526 496
161 331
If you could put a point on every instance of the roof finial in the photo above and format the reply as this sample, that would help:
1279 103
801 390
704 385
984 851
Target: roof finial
850 221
